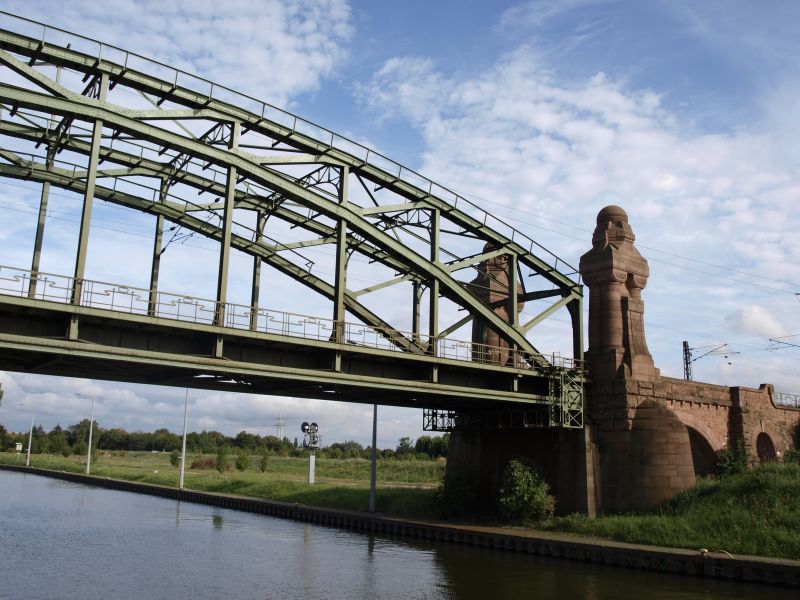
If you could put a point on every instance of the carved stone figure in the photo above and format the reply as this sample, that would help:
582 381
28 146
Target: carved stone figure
616 275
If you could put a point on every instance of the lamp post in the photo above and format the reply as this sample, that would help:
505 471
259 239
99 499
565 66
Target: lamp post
89 451
183 445
30 438
373 466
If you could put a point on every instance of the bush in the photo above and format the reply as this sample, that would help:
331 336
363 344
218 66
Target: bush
732 461
66 451
204 462
242 461
525 497
262 465
221 459
792 455
175 458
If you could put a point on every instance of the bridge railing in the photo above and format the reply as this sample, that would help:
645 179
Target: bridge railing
130 61
115 297
787 400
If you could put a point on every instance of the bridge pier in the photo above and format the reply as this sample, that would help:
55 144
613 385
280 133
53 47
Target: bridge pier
646 437
566 459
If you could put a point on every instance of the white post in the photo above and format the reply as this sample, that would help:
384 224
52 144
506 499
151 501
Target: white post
373 470
183 446
89 451
311 464
30 439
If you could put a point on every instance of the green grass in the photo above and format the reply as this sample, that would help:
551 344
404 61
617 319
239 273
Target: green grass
756 513
404 488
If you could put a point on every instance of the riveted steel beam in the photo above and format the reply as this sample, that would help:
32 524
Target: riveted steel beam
87 108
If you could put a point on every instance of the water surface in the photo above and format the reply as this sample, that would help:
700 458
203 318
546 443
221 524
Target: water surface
67 540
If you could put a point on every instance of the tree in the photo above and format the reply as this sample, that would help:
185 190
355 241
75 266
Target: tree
247 441
221 459
404 448
57 441
525 497
242 461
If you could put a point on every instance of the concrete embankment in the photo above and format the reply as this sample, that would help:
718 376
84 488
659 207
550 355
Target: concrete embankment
666 560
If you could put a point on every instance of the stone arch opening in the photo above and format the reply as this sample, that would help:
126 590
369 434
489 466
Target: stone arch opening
704 458
765 448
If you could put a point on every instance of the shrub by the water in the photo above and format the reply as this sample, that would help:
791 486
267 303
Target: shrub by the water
175 458
262 465
525 497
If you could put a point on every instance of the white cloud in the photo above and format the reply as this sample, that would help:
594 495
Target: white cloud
270 49
523 143
757 321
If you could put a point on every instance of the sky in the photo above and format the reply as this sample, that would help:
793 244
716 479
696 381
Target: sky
684 113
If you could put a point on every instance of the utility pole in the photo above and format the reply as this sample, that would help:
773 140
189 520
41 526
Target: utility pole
687 361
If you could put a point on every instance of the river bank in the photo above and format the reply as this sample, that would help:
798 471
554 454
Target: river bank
562 545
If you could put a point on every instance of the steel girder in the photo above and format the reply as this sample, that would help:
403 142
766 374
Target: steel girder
170 153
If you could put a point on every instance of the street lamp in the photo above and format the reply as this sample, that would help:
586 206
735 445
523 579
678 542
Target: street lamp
89 451
30 438
183 445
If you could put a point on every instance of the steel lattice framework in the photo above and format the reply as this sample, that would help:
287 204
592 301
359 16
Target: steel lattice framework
113 126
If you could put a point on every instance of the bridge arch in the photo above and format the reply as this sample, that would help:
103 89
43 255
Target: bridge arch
115 127
704 441
765 448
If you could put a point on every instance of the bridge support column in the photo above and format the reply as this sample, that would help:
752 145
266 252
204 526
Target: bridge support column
433 299
566 459
256 284
86 212
158 238
225 242
340 273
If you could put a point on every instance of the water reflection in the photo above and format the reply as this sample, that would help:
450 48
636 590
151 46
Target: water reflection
62 540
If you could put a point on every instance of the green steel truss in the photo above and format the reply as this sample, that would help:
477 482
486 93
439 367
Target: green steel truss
112 126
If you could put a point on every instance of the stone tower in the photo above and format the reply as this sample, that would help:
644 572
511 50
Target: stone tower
645 452
616 274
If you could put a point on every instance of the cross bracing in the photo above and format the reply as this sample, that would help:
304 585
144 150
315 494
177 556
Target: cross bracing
111 126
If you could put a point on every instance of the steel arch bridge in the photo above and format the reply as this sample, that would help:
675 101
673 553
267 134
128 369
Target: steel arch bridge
110 126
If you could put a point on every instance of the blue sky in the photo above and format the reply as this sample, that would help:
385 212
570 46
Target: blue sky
684 113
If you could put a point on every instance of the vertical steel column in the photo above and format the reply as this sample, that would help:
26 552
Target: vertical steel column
415 311
86 214
373 464
37 245
513 314
575 309
340 281
225 242
255 290
152 303
433 299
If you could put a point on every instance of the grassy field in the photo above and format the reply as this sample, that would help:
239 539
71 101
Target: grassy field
755 513
404 488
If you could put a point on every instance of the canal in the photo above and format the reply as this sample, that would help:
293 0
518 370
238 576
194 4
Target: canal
67 540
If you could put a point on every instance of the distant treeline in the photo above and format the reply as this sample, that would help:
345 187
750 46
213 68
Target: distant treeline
74 440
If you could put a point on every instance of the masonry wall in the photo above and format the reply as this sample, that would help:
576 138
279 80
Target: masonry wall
565 458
